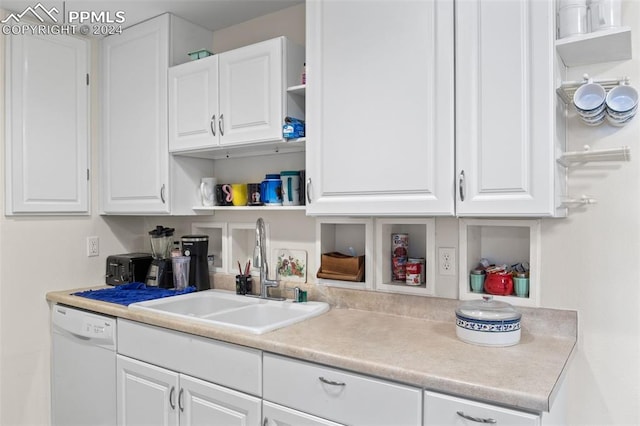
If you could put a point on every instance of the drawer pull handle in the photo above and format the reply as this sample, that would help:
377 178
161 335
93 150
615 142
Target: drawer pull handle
476 419
331 382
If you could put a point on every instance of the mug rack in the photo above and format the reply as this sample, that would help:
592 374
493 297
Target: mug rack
622 153
568 88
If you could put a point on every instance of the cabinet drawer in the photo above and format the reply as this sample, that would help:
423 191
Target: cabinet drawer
442 409
225 364
338 395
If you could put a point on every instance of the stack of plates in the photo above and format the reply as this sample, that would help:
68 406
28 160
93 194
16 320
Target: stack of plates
621 105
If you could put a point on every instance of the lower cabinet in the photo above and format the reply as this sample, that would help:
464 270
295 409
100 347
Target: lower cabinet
440 409
151 395
277 415
337 395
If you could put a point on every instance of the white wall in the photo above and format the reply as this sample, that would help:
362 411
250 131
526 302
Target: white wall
590 262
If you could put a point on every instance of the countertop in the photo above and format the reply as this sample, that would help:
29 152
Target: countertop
420 350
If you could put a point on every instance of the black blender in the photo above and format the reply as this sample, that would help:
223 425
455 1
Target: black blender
159 274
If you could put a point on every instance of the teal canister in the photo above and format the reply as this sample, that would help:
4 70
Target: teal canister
290 187
476 279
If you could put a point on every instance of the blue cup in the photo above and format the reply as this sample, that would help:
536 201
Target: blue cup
271 190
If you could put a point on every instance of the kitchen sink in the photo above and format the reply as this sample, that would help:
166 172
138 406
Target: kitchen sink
227 309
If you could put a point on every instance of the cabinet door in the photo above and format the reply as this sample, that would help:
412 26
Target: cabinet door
47 147
448 410
380 107
505 108
277 415
193 105
147 395
251 93
203 403
134 147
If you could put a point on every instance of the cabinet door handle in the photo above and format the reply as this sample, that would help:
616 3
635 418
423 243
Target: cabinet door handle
162 194
221 124
461 185
331 382
180 396
212 124
476 419
265 422
308 191
171 395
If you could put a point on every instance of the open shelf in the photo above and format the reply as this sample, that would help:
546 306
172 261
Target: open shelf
421 245
339 235
599 46
501 242
217 233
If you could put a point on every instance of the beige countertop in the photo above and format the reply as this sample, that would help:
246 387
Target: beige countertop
413 342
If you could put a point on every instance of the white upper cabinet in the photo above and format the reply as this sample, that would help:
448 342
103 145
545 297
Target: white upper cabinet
193 105
506 108
47 130
380 105
138 175
234 98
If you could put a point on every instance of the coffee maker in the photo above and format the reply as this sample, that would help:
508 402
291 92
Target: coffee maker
160 273
196 246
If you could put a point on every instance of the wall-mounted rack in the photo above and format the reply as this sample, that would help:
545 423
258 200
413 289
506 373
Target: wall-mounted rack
622 153
568 88
585 200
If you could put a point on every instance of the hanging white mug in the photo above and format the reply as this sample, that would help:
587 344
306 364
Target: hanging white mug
208 191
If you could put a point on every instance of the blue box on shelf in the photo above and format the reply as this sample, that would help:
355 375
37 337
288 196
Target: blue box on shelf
293 128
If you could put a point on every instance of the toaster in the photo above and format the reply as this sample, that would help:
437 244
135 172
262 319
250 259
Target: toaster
127 268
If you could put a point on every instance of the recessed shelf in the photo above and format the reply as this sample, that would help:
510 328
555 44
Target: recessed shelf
599 46
421 245
217 233
339 235
503 242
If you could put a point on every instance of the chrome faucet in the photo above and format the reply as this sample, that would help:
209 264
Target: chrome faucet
260 261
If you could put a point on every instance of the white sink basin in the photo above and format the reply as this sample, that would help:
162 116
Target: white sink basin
227 309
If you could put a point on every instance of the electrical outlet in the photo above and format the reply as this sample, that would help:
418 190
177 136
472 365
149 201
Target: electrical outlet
447 261
93 246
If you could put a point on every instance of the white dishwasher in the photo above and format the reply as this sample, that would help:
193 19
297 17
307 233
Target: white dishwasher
83 368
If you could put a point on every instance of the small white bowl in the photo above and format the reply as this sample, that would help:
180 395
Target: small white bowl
589 96
622 98
622 115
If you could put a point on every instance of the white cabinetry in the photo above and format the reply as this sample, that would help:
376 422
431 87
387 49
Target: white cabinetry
506 109
137 175
445 410
380 127
234 98
47 132
213 382
148 394
339 396
277 415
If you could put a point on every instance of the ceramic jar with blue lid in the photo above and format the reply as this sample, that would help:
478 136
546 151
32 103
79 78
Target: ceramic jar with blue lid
488 322
271 190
